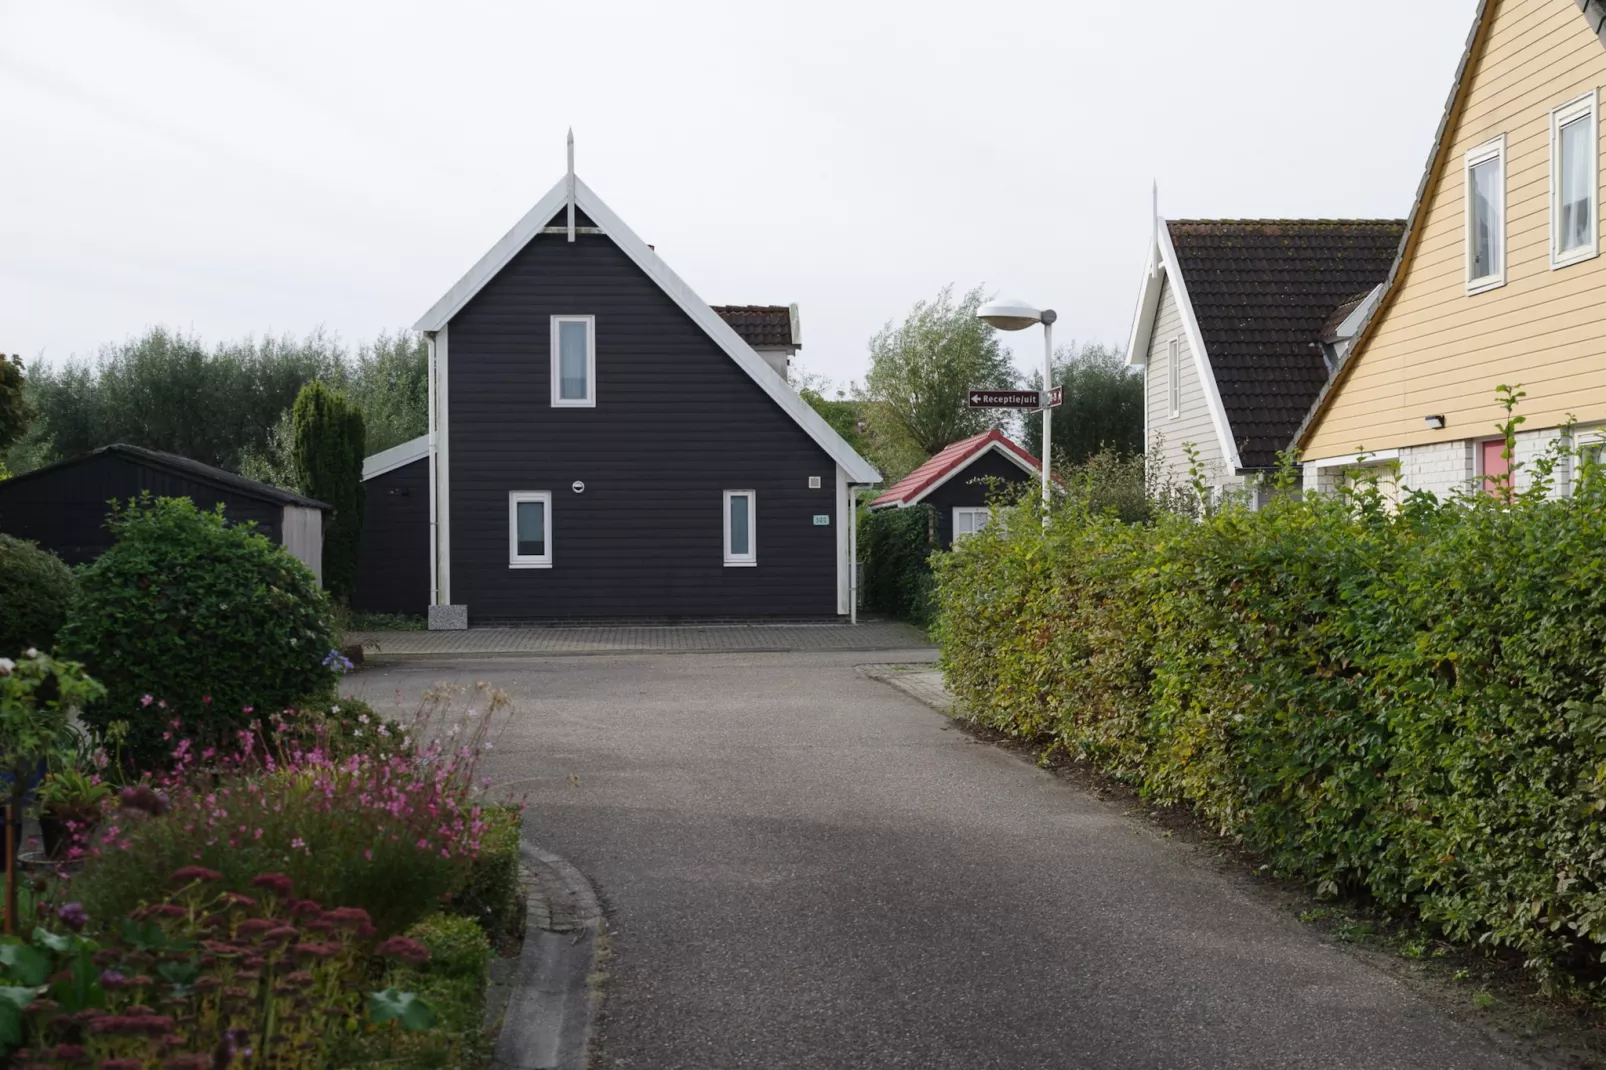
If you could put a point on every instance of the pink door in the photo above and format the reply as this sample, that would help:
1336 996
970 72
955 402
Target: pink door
1494 463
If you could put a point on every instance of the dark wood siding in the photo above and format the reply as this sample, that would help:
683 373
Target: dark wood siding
64 510
393 571
676 424
970 488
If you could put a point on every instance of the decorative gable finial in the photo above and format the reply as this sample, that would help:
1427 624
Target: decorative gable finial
571 183
1154 230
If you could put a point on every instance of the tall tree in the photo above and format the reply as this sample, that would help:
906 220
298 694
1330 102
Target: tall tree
920 373
328 451
14 411
1103 407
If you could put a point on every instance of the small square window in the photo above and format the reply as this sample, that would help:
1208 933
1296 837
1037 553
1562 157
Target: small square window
1573 214
574 361
968 521
529 529
741 530
1486 215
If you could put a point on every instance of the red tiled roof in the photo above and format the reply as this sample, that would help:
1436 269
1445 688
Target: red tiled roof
951 458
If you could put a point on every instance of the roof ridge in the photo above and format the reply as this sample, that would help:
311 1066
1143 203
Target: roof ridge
1378 221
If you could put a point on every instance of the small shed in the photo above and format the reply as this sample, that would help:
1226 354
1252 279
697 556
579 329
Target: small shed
958 481
63 506
393 567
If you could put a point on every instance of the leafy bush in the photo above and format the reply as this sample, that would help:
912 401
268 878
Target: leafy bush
328 447
35 588
457 946
394 835
895 546
266 975
1405 703
491 894
187 611
452 984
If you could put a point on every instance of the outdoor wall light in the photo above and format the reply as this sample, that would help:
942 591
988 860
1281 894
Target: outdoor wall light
1434 422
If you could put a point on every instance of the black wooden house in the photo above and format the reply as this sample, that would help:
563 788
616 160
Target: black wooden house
604 444
958 482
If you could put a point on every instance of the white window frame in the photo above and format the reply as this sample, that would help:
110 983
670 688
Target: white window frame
1583 108
590 400
973 511
1584 440
1174 377
1493 149
750 558
514 558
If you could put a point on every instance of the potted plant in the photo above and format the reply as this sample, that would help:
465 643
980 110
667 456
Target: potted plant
70 802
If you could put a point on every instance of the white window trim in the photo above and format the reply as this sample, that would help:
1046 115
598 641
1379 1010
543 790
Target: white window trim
590 400
1578 108
962 509
1174 377
514 558
750 558
1494 149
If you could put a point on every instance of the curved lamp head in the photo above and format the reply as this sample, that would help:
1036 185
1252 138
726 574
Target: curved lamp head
1009 314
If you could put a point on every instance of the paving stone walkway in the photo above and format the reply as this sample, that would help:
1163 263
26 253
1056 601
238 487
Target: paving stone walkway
644 639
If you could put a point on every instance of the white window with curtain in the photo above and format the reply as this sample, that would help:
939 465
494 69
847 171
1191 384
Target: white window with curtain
574 362
529 529
968 521
1574 226
741 527
1174 376
1486 215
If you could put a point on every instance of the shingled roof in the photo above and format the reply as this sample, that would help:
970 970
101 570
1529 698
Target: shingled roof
761 326
1262 291
946 462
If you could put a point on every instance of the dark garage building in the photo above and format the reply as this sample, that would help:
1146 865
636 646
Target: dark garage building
958 480
63 506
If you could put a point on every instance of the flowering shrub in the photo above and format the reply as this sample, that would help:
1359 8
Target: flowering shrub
198 980
186 611
394 833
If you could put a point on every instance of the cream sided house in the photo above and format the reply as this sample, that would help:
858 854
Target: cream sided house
1498 280
1238 325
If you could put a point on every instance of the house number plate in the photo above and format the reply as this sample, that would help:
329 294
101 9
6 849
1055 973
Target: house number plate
822 520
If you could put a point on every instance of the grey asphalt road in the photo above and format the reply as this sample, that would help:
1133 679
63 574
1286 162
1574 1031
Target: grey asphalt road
805 868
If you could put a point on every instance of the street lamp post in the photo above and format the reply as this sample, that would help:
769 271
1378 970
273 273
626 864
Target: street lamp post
1010 315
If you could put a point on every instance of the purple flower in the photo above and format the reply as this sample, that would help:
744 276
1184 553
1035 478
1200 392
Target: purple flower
73 916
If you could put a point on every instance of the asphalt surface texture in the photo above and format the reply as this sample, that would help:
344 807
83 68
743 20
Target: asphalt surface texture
803 867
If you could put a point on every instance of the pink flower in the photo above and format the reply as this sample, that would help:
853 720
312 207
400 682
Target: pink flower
206 700
145 700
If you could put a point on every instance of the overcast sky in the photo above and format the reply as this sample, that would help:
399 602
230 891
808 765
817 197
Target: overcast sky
239 169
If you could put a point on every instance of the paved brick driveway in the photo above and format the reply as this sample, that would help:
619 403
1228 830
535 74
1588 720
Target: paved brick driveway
644 639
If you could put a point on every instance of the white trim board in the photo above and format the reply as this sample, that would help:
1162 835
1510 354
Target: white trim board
999 447
1163 265
377 464
859 470
1367 457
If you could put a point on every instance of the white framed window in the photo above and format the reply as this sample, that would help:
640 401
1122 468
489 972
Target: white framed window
1574 226
1486 215
574 362
968 521
1174 377
529 529
741 527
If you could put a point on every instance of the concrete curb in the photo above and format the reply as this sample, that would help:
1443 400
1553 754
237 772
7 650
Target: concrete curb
547 1021
922 682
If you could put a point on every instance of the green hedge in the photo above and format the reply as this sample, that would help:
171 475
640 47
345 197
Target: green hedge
35 590
895 547
1408 704
491 894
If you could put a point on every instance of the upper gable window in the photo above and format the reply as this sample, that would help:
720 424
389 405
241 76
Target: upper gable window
1486 215
1573 226
574 361
1174 376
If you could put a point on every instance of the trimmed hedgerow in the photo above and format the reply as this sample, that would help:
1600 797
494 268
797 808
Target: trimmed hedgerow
895 546
1406 702
490 895
202 616
35 589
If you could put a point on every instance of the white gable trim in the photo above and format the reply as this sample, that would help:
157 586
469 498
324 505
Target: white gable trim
1163 258
991 447
859 470
377 464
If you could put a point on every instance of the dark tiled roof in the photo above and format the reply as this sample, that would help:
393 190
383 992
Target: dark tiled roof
1262 290
759 325
183 466
1340 314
